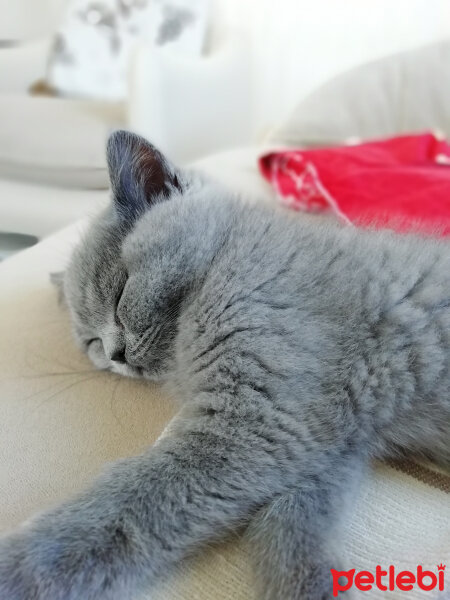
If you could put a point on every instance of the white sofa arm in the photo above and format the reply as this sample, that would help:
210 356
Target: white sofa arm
193 107
22 65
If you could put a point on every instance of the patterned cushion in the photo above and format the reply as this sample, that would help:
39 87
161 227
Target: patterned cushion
91 52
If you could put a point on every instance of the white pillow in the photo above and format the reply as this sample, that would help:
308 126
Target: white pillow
401 93
92 50
22 20
56 141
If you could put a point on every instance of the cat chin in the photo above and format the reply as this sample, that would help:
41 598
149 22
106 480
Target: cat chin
154 377
136 372
126 371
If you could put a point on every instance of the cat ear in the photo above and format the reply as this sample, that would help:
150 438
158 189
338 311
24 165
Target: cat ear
140 175
57 279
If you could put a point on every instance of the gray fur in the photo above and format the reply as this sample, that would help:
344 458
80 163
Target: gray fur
297 351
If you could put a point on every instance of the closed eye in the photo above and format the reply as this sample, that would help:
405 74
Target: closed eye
91 341
118 298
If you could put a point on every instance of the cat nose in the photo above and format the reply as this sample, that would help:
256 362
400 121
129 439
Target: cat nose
119 356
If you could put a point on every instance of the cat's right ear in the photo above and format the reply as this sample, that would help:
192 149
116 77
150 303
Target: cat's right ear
140 175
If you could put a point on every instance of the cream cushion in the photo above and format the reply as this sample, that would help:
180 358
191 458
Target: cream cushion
43 209
56 141
405 92
61 421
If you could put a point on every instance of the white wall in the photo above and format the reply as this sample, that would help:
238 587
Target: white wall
26 19
299 44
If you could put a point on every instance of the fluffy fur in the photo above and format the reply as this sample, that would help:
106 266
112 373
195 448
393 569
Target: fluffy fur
298 352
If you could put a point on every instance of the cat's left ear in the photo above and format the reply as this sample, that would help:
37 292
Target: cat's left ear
140 174
58 281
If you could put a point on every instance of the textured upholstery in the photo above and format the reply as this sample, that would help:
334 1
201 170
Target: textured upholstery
61 421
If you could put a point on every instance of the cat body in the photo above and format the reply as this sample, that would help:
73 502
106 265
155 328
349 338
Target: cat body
297 351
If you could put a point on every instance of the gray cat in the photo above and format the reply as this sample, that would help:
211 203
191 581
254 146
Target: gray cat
298 353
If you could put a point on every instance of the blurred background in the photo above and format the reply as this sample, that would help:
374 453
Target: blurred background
196 77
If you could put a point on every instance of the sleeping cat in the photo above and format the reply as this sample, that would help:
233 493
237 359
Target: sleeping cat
298 352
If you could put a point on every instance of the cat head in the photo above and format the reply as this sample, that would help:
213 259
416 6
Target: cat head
131 275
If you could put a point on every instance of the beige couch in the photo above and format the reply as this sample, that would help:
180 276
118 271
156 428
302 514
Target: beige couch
60 421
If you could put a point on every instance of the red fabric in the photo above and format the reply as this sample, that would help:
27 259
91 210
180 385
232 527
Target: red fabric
401 182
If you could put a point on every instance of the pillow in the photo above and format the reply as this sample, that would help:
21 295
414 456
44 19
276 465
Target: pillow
91 52
61 421
25 20
56 141
399 94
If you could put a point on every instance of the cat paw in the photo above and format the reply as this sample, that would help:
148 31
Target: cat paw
48 563
17 581
316 582
309 579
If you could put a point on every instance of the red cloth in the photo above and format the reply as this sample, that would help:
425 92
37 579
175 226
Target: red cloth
402 182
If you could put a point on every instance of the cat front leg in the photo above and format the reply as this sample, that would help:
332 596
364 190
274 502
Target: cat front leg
297 538
145 513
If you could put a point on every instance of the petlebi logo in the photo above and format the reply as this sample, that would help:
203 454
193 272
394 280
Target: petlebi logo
388 580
